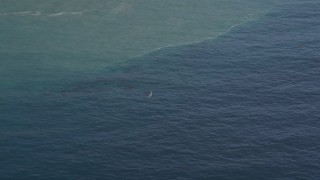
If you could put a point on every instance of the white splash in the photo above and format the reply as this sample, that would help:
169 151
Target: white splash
76 13
149 94
22 13
38 13
57 14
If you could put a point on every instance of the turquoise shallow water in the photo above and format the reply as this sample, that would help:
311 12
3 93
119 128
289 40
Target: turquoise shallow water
57 41
242 106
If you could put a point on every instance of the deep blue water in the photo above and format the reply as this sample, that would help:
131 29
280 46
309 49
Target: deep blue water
243 106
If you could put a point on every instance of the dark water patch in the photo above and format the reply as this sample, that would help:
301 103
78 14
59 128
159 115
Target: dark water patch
245 106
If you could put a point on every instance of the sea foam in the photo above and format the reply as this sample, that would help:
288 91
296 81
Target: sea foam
38 13
22 13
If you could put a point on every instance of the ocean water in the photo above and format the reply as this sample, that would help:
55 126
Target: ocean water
50 42
241 104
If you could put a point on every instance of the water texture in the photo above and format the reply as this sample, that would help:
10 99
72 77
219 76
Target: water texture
244 105
45 42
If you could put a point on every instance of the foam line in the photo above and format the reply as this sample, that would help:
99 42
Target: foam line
22 13
38 13
57 14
